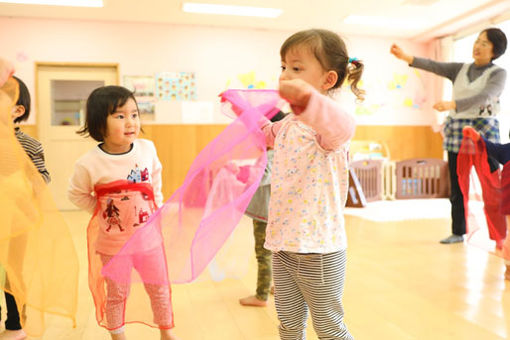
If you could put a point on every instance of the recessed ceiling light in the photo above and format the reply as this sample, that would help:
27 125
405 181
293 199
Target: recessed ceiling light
74 3
375 21
192 7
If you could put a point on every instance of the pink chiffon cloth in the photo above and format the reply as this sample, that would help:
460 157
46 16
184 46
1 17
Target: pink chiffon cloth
475 155
199 217
122 209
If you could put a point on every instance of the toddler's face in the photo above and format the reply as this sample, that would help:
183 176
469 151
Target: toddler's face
122 128
301 63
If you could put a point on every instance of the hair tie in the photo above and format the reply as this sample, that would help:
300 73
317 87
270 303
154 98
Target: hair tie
353 60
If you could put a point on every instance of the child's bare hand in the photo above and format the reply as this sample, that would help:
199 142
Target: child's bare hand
470 133
297 92
232 167
236 109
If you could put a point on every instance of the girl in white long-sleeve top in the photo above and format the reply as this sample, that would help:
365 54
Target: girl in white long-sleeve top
119 182
306 231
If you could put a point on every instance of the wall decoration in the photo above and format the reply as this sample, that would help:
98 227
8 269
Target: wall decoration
176 86
143 87
398 81
146 108
250 80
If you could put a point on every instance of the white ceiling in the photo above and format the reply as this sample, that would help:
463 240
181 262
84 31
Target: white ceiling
435 16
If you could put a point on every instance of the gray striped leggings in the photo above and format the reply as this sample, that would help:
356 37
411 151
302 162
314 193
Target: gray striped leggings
310 281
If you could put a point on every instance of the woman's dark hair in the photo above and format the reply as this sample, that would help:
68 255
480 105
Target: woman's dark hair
498 40
23 100
101 103
330 51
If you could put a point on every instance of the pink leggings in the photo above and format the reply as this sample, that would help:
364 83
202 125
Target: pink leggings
117 293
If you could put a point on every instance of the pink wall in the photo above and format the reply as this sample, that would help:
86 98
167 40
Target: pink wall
216 55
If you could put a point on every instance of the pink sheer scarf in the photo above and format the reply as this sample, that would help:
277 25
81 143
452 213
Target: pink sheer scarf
199 217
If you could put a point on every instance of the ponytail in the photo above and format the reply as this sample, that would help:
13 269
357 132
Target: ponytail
354 71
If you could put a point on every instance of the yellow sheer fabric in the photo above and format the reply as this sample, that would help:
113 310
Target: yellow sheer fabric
39 265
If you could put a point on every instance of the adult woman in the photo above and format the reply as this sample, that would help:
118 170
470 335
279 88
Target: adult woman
476 90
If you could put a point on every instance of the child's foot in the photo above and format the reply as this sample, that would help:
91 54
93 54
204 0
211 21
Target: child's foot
499 244
167 334
13 335
118 336
252 301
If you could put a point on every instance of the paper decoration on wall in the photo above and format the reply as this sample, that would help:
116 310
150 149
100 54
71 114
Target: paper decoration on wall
412 89
393 96
366 109
143 87
146 109
409 102
176 86
398 81
247 81
374 100
419 91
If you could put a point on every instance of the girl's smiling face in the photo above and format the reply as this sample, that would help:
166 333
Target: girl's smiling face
122 128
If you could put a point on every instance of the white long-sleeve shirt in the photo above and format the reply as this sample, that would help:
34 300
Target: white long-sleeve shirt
140 164
310 179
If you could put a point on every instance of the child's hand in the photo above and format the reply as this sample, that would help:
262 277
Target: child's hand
237 110
297 92
470 133
232 167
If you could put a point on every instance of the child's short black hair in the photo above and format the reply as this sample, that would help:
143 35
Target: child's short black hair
23 100
101 103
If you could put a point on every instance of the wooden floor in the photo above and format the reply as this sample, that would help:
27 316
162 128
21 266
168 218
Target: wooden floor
401 284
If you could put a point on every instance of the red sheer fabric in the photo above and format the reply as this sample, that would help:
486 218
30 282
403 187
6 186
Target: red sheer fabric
475 155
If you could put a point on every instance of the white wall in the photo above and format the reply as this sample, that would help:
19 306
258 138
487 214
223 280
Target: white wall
216 55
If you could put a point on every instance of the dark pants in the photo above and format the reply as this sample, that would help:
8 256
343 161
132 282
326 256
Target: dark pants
456 197
264 271
12 322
